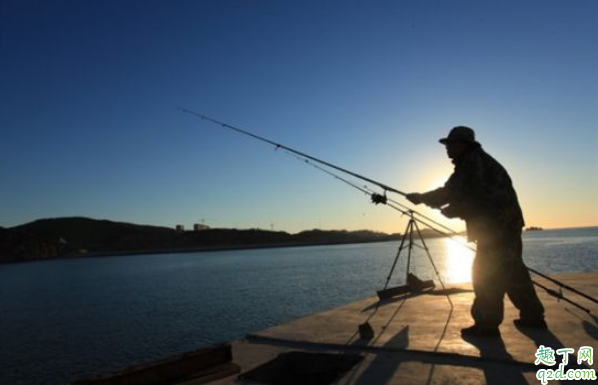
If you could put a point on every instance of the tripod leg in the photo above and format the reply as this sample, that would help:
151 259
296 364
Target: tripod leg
394 264
432 262
408 269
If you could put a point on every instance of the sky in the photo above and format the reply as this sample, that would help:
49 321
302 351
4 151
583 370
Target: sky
89 92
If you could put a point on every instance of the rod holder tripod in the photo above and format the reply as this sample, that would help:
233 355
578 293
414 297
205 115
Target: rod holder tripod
414 285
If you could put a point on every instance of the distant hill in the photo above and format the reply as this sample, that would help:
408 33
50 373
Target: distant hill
92 235
79 236
17 246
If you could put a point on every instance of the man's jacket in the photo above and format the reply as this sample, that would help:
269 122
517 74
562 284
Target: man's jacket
479 191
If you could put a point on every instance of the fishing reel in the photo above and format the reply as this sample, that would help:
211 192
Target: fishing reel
378 198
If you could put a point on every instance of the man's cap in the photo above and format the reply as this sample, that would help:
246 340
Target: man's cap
462 133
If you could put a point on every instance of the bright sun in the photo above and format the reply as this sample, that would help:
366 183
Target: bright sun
459 259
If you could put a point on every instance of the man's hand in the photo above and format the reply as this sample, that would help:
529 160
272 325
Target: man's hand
415 198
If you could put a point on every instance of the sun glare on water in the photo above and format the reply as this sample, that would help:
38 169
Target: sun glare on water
458 260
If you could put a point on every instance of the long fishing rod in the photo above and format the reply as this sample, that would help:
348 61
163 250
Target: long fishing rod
376 198
565 286
278 145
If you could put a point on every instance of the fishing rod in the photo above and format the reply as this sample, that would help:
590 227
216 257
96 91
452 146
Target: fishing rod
559 295
278 145
565 286
376 198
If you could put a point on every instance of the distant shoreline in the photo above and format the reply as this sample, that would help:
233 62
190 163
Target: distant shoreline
194 250
81 237
233 247
203 249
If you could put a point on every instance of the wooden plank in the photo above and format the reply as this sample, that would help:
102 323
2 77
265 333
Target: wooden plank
415 288
212 374
394 291
171 369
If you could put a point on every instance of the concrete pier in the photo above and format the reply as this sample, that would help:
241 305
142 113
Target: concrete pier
417 339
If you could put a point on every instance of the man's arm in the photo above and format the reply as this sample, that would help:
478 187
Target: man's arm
435 198
448 198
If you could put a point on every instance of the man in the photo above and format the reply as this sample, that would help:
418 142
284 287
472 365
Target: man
480 192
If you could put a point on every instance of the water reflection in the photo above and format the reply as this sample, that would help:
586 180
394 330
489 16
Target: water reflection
458 260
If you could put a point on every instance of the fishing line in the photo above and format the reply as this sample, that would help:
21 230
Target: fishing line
377 198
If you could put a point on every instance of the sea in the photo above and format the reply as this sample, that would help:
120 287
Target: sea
64 320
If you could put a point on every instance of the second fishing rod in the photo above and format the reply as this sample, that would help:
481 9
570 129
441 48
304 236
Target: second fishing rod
376 198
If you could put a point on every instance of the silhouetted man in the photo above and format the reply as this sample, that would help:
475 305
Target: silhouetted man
480 192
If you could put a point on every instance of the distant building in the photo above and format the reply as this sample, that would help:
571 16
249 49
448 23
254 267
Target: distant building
180 228
200 227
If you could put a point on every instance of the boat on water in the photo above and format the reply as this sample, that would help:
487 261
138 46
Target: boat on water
533 228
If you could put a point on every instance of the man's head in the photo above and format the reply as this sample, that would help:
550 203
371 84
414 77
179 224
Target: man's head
458 140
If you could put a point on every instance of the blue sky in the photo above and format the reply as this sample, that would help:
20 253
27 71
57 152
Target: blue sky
89 91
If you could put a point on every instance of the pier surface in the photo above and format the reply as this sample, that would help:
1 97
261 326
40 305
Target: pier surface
417 339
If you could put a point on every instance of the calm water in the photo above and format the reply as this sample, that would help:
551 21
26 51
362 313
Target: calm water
60 320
